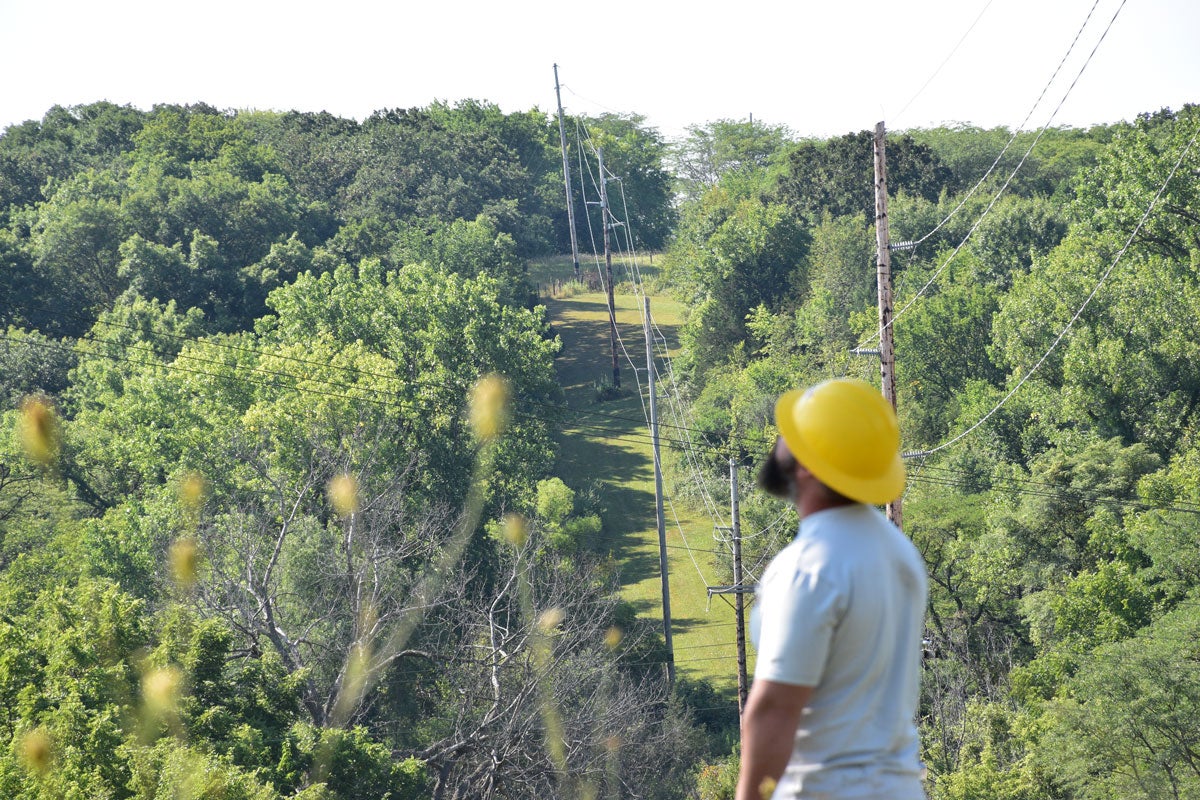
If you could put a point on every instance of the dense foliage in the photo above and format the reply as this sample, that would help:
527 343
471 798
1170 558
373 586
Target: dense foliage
1059 531
259 558
270 550
215 210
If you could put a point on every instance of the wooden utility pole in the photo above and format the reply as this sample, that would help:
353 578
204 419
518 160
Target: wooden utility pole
651 379
739 602
608 275
883 262
562 139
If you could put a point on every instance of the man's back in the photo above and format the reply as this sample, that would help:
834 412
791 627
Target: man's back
841 609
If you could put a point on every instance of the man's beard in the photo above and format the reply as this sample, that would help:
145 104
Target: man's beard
775 479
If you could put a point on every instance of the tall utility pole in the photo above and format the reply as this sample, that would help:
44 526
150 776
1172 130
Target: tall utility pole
658 497
608 276
739 602
883 262
562 139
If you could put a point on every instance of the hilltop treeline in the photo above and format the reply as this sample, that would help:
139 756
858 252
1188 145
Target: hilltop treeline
250 566
214 210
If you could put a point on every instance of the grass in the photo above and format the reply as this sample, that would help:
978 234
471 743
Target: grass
610 444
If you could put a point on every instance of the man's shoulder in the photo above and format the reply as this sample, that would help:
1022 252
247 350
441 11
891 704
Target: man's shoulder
856 532
814 553
833 525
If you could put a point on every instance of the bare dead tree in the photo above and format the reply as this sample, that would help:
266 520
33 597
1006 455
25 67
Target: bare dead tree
616 728
293 577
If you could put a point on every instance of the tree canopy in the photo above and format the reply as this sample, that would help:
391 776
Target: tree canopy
281 512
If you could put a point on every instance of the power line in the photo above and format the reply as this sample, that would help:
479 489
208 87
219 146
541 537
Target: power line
1025 377
950 480
946 60
1016 131
1050 491
634 277
1003 188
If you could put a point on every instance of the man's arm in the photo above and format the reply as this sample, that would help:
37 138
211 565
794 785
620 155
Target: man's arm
768 733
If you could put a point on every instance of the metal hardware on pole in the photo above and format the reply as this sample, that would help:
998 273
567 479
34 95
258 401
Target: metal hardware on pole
608 274
739 601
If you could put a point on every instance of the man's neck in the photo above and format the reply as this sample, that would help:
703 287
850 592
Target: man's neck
810 502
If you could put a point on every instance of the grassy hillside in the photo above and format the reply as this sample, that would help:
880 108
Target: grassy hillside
615 451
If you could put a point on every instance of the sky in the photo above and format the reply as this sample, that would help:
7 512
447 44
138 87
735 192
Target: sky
820 68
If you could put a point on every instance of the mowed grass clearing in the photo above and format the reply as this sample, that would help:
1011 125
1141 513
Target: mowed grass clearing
609 442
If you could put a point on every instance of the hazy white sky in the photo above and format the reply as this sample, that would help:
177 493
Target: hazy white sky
822 67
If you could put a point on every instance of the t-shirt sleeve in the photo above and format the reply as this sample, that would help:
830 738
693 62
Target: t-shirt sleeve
798 613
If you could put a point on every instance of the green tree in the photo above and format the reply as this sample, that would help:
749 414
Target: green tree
76 239
841 273
468 248
641 197
35 156
946 339
32 364
444 164
738 254
837 175
710 152
1126 724
77 683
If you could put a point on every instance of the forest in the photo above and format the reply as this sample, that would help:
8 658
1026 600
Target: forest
282 513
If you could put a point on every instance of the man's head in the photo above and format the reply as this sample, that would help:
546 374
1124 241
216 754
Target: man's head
841 435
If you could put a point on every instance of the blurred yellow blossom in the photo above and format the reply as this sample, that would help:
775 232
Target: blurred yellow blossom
37 750
489 406
550 619
160 691
185 561
612 637
515 530
343 494
191 491
39 431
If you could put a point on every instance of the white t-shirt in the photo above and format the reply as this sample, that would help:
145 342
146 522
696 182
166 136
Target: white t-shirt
841 609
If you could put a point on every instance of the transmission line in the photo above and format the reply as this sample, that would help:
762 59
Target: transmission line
1103 277
1003 188
946 60
1016 132
634 277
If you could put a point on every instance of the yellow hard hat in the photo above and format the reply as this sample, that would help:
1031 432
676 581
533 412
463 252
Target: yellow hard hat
845 433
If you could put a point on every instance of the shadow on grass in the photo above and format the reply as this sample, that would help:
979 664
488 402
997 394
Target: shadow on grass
626 479
586 355
608 443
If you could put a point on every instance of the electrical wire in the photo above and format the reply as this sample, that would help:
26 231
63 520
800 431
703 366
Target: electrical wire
952 478
946 60
937 273
635 280
1070 324
1016 131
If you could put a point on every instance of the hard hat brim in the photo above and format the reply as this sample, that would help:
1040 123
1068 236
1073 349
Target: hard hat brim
875 490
